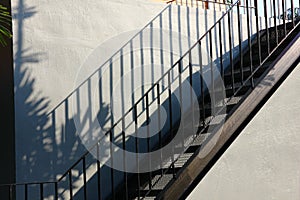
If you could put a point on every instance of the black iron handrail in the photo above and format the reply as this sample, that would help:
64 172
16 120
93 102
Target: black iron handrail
183 2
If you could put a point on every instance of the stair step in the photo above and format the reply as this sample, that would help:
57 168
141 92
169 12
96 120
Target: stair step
146 198
159 182
246 73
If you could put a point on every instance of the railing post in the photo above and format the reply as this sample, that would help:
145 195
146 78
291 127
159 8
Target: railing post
26 191
137 150
10 192
41 191
230 51
267 26
284 15
70 185
148 138
191 87
111 139
55 191
201 83
84 178
98 172
124 157
257 30
293 13
221 55
171 117
240 45
275 22
213 101
159 125
249 42
180 71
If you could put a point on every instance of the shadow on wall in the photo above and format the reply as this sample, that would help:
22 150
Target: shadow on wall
47 144
40 155
54 143
178 28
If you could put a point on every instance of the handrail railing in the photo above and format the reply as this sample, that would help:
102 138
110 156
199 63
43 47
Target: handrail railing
156 87
185 2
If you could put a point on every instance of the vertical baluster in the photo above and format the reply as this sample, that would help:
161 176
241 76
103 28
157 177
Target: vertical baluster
221 56
271 10
161 36
41 191
171 120
70 185
132 70
98 172
137 150
230 52
258 31
26 191
191 88
180 70
152 52
278 12
201 83
240 45
123 112
249 42
84 178
293 13
213 101
148 138
111 139
267 26
10 192
170 36
142 65
275 22
55 191
124 158
284 15
159 126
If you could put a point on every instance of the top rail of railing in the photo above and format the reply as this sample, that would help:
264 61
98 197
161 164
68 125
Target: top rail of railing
195 2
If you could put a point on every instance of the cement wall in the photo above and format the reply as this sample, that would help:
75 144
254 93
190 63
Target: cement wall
52 43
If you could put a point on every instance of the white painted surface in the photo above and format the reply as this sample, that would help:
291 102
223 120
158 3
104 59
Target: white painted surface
263 162
51 42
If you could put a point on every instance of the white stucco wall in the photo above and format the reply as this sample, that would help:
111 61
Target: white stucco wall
263 162
51 42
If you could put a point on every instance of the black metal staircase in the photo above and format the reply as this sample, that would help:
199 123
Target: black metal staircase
241 70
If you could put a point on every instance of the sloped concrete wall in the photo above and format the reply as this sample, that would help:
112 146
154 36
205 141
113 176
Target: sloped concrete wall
263 162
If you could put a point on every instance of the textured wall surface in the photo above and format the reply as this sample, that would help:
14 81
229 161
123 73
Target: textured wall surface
52 41
263 162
